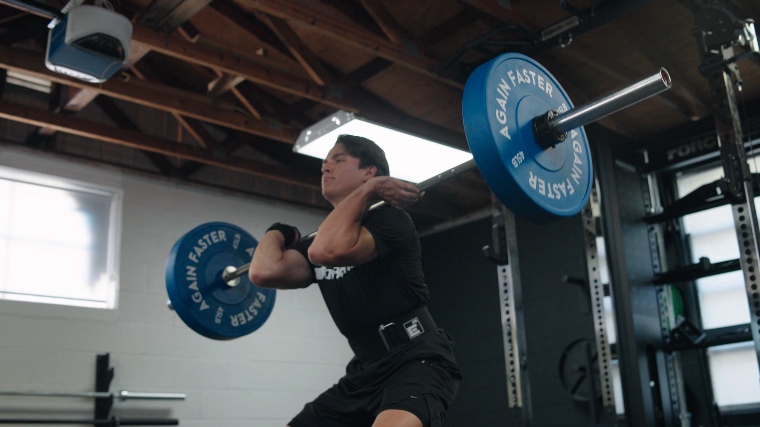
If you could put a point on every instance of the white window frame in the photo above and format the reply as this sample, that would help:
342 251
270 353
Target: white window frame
113 240
733 367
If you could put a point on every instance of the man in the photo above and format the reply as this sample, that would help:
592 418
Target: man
367 264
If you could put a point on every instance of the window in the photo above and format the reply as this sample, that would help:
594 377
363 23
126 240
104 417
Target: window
58 240
722 298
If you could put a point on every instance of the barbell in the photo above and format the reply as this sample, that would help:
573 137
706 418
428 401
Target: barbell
527 142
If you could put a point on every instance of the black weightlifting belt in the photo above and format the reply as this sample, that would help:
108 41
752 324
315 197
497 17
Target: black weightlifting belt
398 331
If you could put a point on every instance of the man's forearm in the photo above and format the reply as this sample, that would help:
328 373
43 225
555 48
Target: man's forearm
268 254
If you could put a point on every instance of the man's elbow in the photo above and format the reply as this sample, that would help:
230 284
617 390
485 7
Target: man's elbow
323 257
263 278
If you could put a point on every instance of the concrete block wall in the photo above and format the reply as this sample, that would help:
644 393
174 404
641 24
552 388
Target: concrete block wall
260 380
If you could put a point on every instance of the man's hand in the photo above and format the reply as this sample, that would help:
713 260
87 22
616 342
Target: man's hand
394 192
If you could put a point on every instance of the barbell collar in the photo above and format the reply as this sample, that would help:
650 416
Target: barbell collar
546 135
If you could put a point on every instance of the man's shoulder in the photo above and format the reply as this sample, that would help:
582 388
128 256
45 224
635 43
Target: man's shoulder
388 212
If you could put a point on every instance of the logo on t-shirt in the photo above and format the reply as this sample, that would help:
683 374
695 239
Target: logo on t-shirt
413 328
330 273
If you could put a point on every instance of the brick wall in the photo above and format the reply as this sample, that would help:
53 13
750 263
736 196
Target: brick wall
259 380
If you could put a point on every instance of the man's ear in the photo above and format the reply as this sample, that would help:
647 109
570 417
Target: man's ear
370 173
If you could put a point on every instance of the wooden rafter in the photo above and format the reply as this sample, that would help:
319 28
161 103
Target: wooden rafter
230 62
167 15
154 95
310 63
390 27
233 63
84 96
224 83
351 35
117 116
138 140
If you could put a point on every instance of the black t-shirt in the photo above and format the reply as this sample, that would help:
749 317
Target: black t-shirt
362 297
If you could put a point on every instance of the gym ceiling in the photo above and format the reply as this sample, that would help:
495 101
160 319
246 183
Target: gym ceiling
215 92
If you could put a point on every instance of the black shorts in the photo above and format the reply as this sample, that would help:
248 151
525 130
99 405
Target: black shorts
425 388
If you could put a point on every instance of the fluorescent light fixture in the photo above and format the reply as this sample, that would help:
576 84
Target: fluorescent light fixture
410 158
25 80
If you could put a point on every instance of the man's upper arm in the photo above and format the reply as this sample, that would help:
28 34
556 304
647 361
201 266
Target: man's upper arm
365 249
362 251
297 270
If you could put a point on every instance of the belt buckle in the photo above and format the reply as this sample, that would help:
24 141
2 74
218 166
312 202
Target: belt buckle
381 330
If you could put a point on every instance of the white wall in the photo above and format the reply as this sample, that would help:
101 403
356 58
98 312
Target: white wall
260 380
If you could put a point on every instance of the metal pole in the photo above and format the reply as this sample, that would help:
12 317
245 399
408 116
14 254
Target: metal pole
122 395
104 422
553 126
443 176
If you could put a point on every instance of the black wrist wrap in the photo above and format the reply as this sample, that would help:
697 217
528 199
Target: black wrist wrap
289 232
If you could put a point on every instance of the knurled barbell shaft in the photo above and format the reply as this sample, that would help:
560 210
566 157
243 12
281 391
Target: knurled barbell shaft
424 185
559 124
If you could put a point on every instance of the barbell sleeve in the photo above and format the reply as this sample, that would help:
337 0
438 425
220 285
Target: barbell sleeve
624 98
552 127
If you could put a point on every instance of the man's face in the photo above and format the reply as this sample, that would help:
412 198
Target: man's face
341 174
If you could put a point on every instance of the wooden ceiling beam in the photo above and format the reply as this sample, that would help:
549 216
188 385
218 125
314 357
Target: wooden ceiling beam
137 140
235 64
504 13
248 22
80 99
308 60
170 15
189 32
17 30
156 96
192 126
385 20
196 130
336 29
167 15
353 13
228 83
280 110
160 161
232 63
84 96
354 79
8 14
223 83
446 28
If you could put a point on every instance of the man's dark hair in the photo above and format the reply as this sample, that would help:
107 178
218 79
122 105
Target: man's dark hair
368 153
